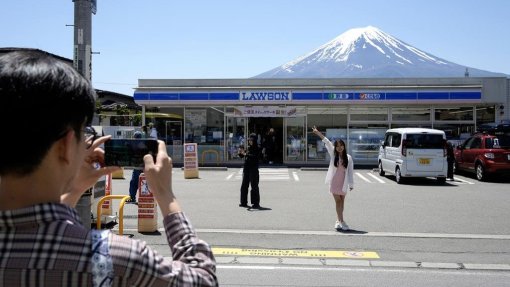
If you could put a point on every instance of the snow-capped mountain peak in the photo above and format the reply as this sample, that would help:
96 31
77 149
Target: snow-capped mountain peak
368 52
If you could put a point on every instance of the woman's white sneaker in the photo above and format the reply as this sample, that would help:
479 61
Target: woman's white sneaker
344 225
338 225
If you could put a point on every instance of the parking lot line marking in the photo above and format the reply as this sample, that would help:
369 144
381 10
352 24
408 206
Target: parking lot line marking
296 177
465 181
294 253
269 174
362 177
230 175
377 178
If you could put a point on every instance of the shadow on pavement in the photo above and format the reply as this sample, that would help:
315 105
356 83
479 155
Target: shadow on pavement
352 231
258 209
155 233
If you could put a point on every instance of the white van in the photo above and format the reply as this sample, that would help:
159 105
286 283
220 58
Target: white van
413 152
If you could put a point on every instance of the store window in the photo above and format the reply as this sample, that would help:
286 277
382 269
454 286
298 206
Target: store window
332 122
364 142
204 126
456 133
365 114
454 114
485 115
235 137
295 143
410 114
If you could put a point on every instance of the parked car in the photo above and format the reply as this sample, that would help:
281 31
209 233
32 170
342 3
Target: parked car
413 152
485 154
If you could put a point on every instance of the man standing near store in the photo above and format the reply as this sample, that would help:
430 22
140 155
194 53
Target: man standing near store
270 145
250 173
135 176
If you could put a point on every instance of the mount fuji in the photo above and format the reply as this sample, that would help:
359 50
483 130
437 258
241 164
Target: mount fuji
370 53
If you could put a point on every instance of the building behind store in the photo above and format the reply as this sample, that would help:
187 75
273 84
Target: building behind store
219 114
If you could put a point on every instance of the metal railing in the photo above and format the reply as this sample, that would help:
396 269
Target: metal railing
123 199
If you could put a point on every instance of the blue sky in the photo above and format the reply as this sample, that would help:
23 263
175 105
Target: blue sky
240 39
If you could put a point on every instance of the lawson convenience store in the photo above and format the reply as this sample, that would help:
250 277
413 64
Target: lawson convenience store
218 115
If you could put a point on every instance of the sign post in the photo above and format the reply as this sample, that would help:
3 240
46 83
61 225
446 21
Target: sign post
190 160
106 207
147 213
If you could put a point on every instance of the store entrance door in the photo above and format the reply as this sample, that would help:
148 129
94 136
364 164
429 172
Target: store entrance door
273 143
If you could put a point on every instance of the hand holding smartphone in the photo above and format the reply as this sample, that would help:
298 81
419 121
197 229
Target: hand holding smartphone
129 152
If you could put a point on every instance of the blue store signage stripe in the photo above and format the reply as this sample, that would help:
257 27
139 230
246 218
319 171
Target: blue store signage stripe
433 96
465 95
194 96
224 96
315 96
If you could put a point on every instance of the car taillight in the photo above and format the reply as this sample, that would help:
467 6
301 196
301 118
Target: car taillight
404 147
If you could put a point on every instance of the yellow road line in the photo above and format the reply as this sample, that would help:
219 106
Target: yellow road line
294 253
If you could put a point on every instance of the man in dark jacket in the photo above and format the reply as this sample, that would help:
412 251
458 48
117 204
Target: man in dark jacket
450 158
250 173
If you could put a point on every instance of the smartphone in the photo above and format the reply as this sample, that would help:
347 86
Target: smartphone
129 152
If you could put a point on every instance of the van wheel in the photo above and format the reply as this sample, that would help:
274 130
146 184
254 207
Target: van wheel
480 172
398 176
381 171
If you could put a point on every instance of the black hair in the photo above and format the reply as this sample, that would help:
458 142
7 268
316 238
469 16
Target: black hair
46 97
253 138
345 159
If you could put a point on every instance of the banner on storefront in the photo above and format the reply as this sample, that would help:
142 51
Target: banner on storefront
265 111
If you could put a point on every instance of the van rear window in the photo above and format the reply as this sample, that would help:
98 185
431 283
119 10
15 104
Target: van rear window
424 141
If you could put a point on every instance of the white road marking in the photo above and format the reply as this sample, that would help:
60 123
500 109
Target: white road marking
376 178
269 174
368 234
296 177
362 177
336 233
464 181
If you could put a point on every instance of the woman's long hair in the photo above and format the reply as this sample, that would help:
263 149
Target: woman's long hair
345 160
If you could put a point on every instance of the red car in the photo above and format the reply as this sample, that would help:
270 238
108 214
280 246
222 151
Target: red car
484 154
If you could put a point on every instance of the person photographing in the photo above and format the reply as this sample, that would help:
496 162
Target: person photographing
45 170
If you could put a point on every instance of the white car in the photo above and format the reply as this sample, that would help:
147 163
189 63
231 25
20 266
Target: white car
413 152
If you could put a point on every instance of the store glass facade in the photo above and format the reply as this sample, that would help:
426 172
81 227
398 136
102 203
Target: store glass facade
219 130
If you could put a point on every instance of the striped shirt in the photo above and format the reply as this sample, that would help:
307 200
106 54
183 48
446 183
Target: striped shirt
47 245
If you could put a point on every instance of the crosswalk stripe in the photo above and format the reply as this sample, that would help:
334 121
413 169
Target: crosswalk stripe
362 177
377 178
269 174
283 174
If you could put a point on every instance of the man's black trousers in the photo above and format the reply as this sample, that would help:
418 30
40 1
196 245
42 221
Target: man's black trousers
250 177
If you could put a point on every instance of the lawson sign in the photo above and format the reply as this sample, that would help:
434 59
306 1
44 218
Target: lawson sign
265 96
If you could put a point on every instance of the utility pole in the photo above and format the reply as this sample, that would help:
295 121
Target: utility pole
82 59
82 62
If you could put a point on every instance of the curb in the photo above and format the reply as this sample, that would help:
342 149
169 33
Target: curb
281 261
